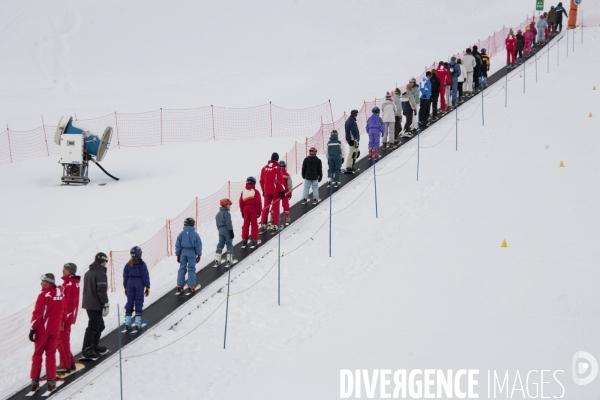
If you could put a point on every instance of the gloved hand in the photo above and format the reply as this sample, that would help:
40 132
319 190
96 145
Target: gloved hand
320 178
232 235
125 291
146 292
105 310
342 161
32 335
178 259
356 144
415 111
282 194
289 195
351 142
197 259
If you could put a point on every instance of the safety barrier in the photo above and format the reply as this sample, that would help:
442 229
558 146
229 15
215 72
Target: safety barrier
183 126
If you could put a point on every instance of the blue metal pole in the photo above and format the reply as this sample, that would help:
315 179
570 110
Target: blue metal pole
567 39
506 89
536 79
279 267
482 113
419 149
119 334
524 74
573 39
558 52
456 123
227 306
548 68
375 181
330 212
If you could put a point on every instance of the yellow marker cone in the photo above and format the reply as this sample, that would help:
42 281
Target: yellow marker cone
594 88
590 115
561 164
504 243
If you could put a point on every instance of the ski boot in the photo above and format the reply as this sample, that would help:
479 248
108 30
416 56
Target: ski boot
191 289
337 184
217 259
370 154
100 350
229 260
304 201
244 244
262 228
329 183
89 352
253 244
128 319
316 201
377 154
138 324
35 384
287 219
179 289
51 385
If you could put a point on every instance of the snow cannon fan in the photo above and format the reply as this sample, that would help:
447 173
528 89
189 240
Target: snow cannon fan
80 143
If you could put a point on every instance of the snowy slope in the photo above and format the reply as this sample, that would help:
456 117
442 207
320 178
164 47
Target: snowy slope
426 285
92 58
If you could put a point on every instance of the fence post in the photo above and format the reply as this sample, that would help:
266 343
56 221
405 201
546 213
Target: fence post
117 126
296 155
229 188
212 114
167 228
331 111
112 273
161 126
271 116
305 149
197 222
45 138
9 148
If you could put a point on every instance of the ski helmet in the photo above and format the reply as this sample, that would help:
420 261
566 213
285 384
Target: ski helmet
483 51
251 180
354 112
225 202
375 110
136 252
101 257
282 164
312 151
189 222
334 132
274 157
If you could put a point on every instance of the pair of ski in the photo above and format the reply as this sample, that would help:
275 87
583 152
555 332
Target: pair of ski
59 382
134 331
83 358
185 292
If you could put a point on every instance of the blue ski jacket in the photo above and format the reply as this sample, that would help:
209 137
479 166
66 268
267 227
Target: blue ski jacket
136 275
188 241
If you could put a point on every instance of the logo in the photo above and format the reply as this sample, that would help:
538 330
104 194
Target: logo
585 368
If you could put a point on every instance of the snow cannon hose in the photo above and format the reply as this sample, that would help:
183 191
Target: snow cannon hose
103 170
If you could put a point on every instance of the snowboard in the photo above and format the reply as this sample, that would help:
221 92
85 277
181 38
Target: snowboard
345 171
78 367
82 358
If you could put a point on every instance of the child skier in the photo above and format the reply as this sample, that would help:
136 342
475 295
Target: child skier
335 154
70 289
188 249
375 128
251 207
225 227
288 191
136 282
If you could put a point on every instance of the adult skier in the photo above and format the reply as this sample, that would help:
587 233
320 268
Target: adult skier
46 322
70 290
398 126
251 207
335 154
417 94
188 249
388 110
353 138
375 127
468 61
225 228
289 186
552 17
312 173
560 10
435 94
454 70
425 98
445 80
95 302
541 25
533 29
409 107
136 282
272 185
511 46
461 79
485 67
477 70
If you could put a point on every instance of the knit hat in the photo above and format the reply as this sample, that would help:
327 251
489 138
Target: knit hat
398 91
528 28
354 112
511 33
72 268
100 258
334 132
388 96
47 278
274 157
413 80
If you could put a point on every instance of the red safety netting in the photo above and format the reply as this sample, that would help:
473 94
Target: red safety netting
158 127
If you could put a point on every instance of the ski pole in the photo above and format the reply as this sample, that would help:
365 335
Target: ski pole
227 306
119 334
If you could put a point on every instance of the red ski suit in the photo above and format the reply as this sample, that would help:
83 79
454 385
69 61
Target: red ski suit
445 80
511 47
250 206
70 288
272 184
46 322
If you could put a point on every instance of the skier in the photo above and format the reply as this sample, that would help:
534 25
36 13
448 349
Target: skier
375 127
454 70
485 67
529 39
399 112
547 30
534 30
511 45
225 227
272 185
312 173
70 290
541 25
461 79
409 107
560 10
425 98
468 61
251 207
335 154
46 321
388 109
136 282
552 16
353 138
188 249
435 94
445 80
289 186
95 302
477 70
520 45
417 95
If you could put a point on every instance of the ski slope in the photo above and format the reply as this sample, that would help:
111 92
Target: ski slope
425 285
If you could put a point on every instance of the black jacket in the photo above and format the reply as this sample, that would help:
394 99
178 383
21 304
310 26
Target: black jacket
351 127
312 169
435 85
95 286
520 42
477 56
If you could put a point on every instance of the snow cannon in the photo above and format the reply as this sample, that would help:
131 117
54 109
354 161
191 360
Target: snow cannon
80 143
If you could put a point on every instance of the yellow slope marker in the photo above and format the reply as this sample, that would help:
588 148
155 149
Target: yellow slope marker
561 164
590 115
594 88
504 243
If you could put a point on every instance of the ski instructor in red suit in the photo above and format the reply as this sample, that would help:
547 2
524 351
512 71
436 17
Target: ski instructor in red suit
46 321
445 80
272 184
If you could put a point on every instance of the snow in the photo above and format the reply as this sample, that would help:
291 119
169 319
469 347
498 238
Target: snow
425 285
